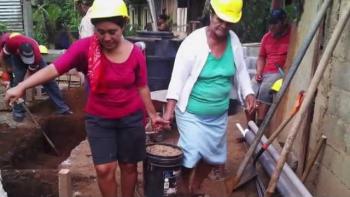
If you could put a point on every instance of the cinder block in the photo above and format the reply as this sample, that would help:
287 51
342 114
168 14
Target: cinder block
338 164
342 50
333 101
329 185
343 99
338 104
335 131
340 75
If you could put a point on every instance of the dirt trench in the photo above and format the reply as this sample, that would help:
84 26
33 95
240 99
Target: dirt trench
29 167
28 164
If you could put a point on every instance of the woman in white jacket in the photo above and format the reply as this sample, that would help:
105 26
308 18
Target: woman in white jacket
208 65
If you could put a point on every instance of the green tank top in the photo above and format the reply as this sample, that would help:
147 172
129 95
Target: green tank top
210 93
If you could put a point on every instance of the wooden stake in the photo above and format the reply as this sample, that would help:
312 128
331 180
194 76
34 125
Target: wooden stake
319 146
64 183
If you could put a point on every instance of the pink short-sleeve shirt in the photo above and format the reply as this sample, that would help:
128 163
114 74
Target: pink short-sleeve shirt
122 80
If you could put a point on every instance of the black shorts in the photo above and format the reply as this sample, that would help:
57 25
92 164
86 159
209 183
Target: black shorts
120 139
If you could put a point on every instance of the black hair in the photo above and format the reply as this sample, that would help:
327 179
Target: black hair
118 20
211 10
87 2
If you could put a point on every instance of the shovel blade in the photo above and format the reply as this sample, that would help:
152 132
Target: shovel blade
249 175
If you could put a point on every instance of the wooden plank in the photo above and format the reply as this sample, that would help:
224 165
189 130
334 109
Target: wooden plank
64 183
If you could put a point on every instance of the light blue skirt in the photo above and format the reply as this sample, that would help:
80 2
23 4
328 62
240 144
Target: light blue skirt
202 137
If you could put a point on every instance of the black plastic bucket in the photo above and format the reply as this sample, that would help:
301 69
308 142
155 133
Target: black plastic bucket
162 173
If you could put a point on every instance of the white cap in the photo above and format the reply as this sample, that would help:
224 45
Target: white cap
141 45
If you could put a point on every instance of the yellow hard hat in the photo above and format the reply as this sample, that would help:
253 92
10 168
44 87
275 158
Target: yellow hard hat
108 8
43 49
14 34
228 10
276 86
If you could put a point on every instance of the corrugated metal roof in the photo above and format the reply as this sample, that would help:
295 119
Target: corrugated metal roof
11 14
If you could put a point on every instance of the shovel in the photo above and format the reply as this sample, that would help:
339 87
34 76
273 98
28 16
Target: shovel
37 125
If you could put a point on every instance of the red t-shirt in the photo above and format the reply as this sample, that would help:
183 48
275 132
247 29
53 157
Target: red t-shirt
274 50
12 44
121 80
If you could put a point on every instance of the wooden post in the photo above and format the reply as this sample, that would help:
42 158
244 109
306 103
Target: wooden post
64 183
28 18
318 149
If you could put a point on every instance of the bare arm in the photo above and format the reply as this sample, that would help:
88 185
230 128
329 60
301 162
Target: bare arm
2 56
250 103
3 63
260 64
156 120
169 111
146 98
46 74
4 79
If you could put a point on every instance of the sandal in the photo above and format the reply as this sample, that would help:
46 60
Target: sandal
217 174
200 195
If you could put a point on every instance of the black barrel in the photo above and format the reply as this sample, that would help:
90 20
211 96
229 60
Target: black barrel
159 70
161 48
162 173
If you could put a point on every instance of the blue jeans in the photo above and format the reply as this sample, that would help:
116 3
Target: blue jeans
19 70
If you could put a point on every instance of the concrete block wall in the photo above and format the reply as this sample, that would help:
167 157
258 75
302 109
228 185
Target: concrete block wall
251 52
332 116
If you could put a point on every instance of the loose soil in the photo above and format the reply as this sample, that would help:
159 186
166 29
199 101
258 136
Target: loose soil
163 150
29 166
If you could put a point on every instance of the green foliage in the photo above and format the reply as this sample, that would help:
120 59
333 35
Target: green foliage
253 24
293 11
130 30
70 16
3 27
40 25
53 13
52 16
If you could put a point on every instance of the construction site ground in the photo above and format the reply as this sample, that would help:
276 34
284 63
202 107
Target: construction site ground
29 167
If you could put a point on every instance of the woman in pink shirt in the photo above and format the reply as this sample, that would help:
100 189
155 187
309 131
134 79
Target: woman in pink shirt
118 93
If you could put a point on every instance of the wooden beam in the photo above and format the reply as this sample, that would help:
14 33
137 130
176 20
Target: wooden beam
64 183
28 18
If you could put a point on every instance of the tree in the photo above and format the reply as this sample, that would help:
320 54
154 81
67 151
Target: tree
50 16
